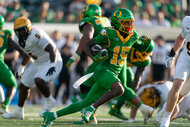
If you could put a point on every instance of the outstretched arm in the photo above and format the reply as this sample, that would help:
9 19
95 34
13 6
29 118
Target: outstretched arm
138 76
88 32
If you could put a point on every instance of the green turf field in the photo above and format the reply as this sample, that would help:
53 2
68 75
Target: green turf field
32 119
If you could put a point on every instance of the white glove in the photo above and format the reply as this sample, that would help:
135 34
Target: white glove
169 62
20 72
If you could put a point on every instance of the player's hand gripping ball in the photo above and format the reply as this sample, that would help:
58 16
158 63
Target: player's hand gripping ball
99 53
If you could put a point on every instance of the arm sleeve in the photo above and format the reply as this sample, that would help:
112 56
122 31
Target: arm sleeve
140 46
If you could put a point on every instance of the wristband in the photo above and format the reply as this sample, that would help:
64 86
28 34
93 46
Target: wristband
75 57
172 53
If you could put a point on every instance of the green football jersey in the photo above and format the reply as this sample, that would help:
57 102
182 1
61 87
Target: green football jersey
4 42
97 21
139 59
118 47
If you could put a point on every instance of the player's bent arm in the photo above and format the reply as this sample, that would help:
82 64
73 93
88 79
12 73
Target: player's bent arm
52 51
87 48
138 76
13 45
88 32
178 43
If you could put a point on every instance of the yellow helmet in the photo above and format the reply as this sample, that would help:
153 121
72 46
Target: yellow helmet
23 22
151 97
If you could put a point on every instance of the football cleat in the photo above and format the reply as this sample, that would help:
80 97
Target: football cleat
87 113
4 109
165 122
129 121
92 120
117 113
147 113
17 114
49 103
48 119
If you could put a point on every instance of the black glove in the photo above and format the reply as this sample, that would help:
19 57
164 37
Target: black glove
50 71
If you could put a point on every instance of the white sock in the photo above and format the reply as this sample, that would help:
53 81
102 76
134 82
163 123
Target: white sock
93 107
55 115
167 114
142 107
49 98
20 108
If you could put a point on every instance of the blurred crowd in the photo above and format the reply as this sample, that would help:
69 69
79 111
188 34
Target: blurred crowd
147 13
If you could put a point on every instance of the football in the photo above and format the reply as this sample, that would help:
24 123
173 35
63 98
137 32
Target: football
95 49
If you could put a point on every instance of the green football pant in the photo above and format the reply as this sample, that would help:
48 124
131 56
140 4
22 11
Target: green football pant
6 76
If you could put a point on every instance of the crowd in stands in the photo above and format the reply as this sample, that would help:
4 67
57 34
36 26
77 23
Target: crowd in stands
167 13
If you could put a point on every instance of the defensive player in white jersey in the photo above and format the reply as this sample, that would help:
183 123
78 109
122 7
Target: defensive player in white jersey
182 71
155 95
45 68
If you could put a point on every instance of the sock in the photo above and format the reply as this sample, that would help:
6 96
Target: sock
74 107
93 107
55 115
20 108
139 104
6 102
49 98
120 102
167 114
142 107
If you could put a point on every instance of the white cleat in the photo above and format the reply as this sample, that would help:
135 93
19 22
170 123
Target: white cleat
165 122
48 105
147 113
17 114
129 121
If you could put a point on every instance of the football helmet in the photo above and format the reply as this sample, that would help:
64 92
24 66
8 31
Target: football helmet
22 23
93 2
122 19
2 21
22 28
91 10
150 96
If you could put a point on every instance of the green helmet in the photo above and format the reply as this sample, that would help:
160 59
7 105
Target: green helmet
121 16
147 39
91 10
2 21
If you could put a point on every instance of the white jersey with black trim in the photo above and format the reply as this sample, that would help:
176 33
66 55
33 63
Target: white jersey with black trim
162 88
36 43
185 25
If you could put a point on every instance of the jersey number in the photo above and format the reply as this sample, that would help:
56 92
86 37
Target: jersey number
99 22
188 47
1 39
123 55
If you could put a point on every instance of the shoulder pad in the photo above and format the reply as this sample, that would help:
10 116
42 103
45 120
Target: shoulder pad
108 31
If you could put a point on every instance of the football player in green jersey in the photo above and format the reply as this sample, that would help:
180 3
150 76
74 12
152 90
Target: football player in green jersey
118 40
140 60
6 76
90 26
